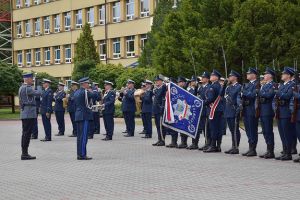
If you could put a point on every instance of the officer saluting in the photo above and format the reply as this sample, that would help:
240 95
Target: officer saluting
147 109
59 109
28 113
71 107
46 109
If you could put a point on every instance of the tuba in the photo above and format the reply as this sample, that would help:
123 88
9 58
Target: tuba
137 97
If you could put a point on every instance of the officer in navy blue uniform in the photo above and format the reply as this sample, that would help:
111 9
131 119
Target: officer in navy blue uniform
109 110
294 132
283 98
59 109
214 124
83 116
35 131
266 97
95 123
147 102
247 102
46 109
158 109
128 108
71 107
143 87
223 101
232 112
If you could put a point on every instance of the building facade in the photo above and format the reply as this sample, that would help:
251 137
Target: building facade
45 31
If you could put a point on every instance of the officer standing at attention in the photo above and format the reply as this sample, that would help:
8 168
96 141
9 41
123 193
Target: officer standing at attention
147 103
46 109
109 110
143 87
96 115
35 131
59 109
266 97
83 116
71 107
128 108
232 111
28 113
158 109
248 101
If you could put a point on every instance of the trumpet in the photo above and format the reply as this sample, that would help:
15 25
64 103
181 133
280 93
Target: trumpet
98 107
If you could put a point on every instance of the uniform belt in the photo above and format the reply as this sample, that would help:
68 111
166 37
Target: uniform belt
283 102
29 104
264 100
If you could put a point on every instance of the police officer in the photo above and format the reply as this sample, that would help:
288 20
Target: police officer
95 121
143 87
71 107
214 123
283 98
247 101
59 109
266 97
35 131
109 110
158 109
223 101
128 108
147 103
96 115
28 113
46 109
232 111
83 116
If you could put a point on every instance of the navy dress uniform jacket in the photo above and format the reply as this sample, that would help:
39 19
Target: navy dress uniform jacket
266 95
46 103
147 102
82 111
58 107
231 95
128 101
109 102
159 99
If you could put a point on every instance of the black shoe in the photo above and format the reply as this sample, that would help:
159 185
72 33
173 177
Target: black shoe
84 158
125 131
147 136
211 149
263 155
45 140
294 152
279 157
235 151
205 147
155 144
269 155
90 137
72 135
106 139
182 146
34 137
251 153
297 160
161 143
60 134
172 145
193 147
27 157
228 151
287 157
142 133
128 135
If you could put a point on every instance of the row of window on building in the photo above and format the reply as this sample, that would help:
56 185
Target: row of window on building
63 22
28 3
33 57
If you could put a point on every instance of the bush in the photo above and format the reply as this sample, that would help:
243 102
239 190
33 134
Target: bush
82 69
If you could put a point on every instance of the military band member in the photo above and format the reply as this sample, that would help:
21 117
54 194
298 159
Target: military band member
232 112
71 107
96 115
96 118
46 109
35 131
28 114
59 109
109 110
266 97
147 102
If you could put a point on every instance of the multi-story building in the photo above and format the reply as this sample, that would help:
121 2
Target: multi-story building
45 31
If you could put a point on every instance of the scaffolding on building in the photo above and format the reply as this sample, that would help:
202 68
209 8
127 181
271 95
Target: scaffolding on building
6 54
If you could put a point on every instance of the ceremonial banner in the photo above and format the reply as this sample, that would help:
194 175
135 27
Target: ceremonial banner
182 111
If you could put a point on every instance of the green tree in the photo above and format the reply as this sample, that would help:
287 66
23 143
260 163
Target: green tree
41 75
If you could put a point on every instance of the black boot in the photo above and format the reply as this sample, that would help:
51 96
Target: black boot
287 156
228 151
219 142
193 146
172 145
206 146
283 152
245 154
297 160
212 148
26 156
252 151
270 152
294 151
235 150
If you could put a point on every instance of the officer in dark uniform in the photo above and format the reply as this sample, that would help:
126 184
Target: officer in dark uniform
247 100
158 109
83 116
232 112
214 124
294 132
266 97
143 87
59 109
223 101
71 107
28 114
128 108
46 109
147 102
109 110
96 115
283 98
35 131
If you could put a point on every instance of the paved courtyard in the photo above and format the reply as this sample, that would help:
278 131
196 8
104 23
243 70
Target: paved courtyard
130 168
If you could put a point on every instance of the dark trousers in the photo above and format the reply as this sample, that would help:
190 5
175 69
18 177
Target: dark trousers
72 117
60 119
201 129
148 123
235 134
285 128
129 121
143 121
47 126
82 137
108 120
27 126
251 127
294 136
215 126
96 116
267 129
298 130
161 131
35 130
183 138
224 125
91 128
174 135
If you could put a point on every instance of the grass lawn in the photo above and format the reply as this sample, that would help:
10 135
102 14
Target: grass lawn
6 114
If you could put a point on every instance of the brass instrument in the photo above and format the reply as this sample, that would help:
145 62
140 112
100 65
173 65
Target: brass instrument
138 101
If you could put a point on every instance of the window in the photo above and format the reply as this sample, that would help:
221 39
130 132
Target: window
46 1
116 12
129 9
47 25
37 57
144 8
27 28
18 3
102 50
78 18
19 29
102 14
90 16
130 46
67 21
37 2
57 55
20 58
144 38
37 27
68 54
27 3
47 56
28 57
57 23
116 48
